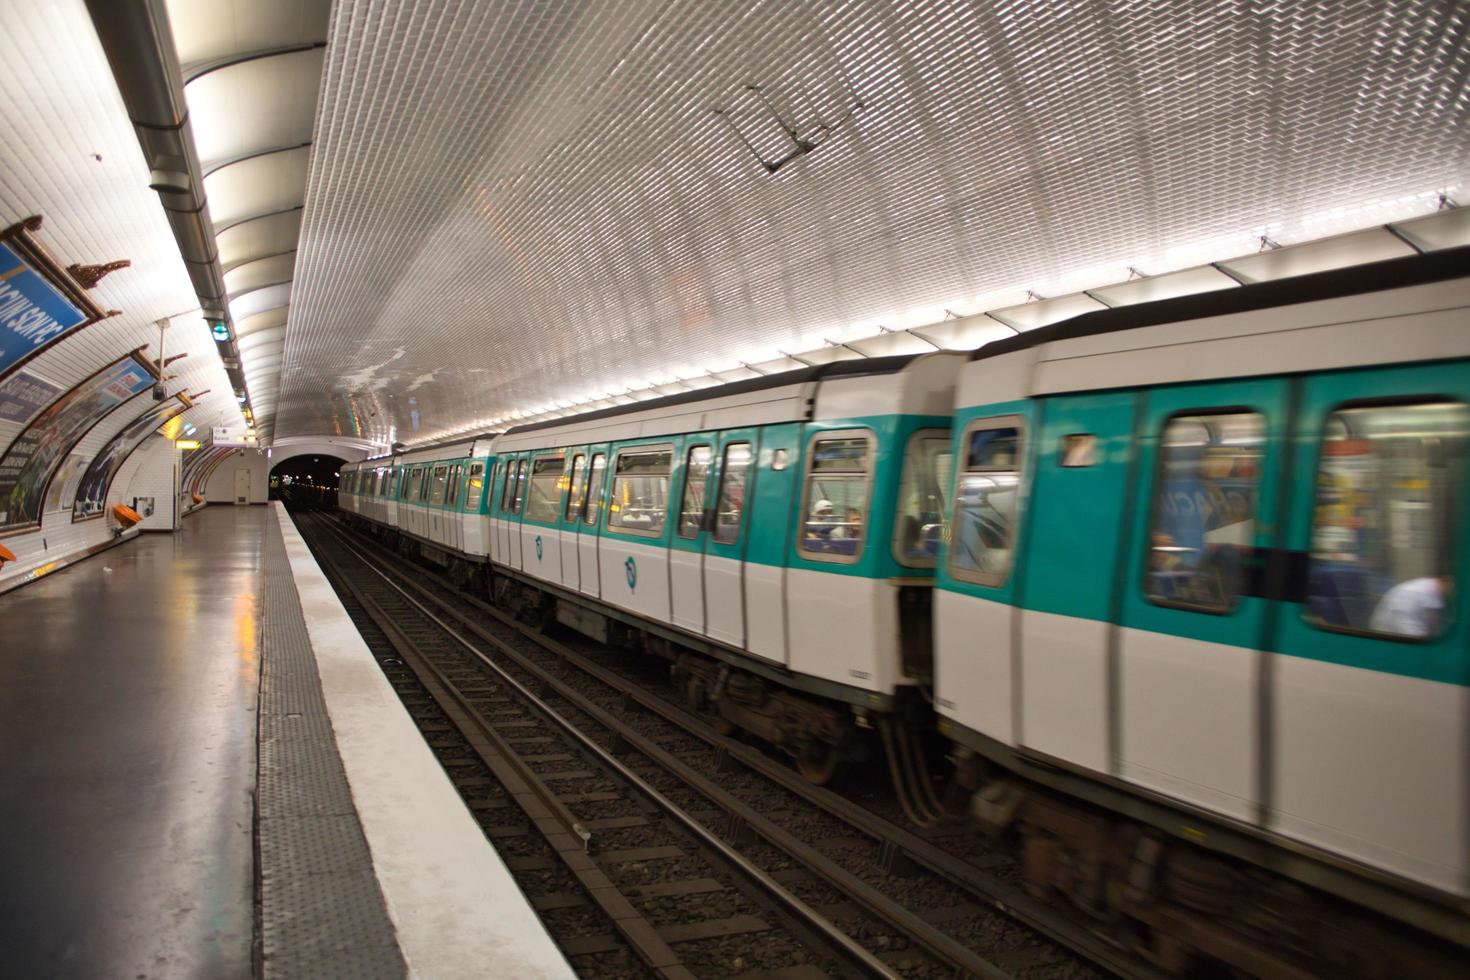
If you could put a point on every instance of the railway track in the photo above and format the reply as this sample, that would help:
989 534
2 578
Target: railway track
855 893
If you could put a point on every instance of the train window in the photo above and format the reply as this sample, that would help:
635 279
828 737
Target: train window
926 471
577 487
696 475
1078 450
983 536
544 498
518 486
421 484
474 486
441 480
507 486
1204 510
835 504
410 478
640 490
1389 506
594 488
733 473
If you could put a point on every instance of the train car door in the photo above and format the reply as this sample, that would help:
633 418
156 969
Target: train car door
571 516
1191 655
686 547
541 516
1368 705
724 539
472 518
492 508
588 538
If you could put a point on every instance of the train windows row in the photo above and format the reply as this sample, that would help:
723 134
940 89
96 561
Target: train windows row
1388 476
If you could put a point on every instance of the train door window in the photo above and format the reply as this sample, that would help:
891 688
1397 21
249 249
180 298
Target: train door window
983 536
410 485
545 491
451 489
1078 450
441 480
474 487
577 488
927 466
1204 510
640 490
835 502
1387 517
734 471
518 486
594 488
507 487
696 476
421 484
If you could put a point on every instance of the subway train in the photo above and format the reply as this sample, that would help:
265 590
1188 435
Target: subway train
1181 585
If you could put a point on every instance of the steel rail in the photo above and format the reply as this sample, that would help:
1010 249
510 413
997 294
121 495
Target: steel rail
991 891
841 943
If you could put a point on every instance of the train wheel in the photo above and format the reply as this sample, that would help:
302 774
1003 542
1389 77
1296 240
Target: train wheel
817 762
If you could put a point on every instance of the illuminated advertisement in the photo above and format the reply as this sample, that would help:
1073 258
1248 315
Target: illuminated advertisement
32 459
91 498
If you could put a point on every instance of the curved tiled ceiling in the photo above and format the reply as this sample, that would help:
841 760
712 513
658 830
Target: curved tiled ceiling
252 71
520 202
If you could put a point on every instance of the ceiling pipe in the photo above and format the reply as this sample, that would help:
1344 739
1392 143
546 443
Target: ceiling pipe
140 48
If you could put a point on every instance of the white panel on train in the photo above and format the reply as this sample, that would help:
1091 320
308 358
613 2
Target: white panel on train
765 611
1188 721
841 627
686 589
724 600
635 576
571 575
1339 729
1064 687
541 552
972 642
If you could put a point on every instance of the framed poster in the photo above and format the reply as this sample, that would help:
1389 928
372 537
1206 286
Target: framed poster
40 302
91 498
23 394
32 459
64 484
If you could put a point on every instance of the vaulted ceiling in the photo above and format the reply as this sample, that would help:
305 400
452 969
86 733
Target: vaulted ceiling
523 206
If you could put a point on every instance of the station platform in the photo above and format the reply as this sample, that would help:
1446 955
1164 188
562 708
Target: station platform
206 775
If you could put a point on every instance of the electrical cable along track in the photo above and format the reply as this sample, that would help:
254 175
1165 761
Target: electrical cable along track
648 842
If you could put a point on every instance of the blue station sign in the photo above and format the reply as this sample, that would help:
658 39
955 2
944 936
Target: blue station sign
33 311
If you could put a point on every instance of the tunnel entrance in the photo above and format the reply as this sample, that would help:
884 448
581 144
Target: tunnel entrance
307 482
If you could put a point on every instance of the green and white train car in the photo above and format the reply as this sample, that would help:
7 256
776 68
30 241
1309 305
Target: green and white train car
1207 567
788 524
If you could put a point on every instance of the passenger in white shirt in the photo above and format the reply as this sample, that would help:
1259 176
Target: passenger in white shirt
1412 608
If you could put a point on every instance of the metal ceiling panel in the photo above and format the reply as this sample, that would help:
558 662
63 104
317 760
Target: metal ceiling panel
263 103
208 30
256 186
1372 245
516 203
261 272
249 240
248 304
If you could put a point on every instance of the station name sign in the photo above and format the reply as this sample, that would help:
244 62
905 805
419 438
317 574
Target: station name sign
33 312
40 302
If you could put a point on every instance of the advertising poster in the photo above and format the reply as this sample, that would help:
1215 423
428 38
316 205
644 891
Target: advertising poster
64 484
91 498
33 311
23 394
31 460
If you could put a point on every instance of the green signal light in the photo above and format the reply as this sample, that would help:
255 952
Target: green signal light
221 332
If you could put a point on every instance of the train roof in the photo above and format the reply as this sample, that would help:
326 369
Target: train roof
1412 270
835 369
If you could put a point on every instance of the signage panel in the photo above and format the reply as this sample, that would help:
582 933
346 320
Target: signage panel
33 311
31 460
